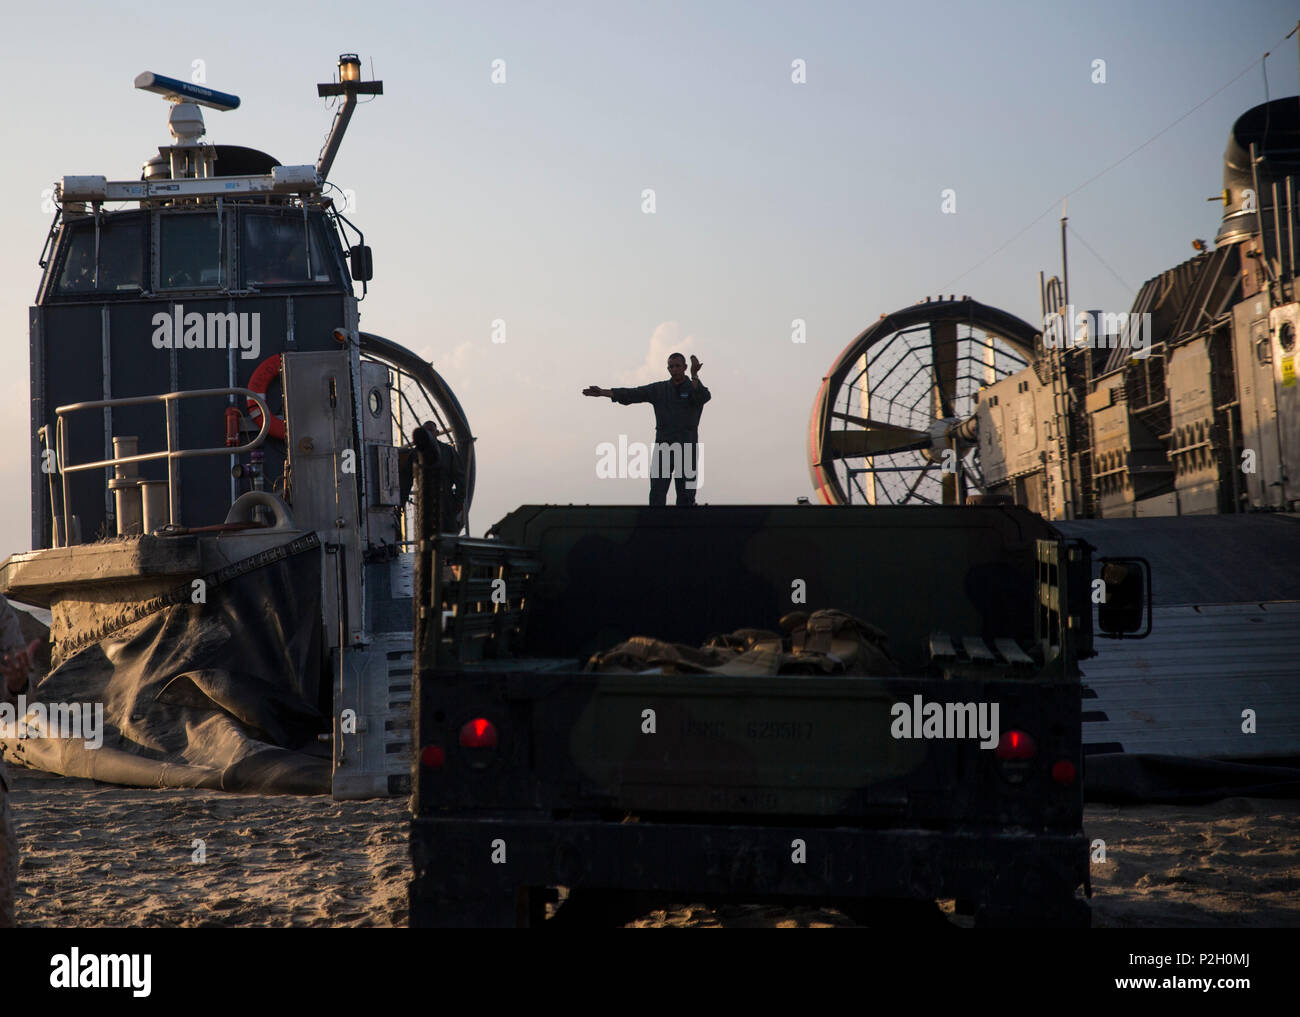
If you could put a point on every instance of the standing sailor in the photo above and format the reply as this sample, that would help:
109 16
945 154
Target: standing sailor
678 404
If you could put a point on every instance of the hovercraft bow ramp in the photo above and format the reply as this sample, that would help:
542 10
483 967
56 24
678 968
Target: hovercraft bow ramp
1225 617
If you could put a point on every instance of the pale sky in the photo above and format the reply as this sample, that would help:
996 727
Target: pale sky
774 200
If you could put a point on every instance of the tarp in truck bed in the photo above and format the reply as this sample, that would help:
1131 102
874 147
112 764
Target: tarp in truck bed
215 695
611 572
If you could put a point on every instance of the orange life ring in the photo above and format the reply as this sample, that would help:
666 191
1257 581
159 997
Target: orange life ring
263 375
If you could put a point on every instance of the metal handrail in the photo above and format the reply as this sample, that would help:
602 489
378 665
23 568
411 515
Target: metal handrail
168 399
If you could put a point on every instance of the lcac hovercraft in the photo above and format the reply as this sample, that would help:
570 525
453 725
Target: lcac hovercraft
227 577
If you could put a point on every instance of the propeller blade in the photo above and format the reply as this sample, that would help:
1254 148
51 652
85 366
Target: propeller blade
877 439
943 356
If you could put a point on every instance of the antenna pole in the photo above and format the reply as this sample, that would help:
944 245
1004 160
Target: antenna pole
1065 263
349 86
335 139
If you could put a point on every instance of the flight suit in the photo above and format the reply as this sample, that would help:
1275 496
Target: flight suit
677 417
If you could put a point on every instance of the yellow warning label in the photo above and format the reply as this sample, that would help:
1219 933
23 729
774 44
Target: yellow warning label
1288 372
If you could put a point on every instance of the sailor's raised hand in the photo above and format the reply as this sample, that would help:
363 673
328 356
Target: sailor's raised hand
695 366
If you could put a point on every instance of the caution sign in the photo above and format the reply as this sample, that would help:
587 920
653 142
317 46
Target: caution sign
1288 372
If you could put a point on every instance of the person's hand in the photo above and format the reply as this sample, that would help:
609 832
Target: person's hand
17 665
593 390
695 366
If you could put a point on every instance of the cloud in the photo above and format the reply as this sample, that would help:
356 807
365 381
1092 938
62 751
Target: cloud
448 360
667 338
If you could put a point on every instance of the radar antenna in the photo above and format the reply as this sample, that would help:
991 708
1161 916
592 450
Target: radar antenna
188 157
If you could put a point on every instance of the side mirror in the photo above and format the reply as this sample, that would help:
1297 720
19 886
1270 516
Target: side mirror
1124 598
363 267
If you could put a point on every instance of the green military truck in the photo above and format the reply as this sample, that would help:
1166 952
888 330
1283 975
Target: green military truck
533 773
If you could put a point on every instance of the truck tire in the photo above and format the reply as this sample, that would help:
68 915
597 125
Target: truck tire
1057 911
1041 895
893 913
521 907
588 908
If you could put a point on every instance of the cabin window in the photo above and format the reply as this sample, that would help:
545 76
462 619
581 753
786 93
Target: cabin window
189 252
282 251
121 258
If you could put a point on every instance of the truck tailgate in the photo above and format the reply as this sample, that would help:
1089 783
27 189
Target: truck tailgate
834 747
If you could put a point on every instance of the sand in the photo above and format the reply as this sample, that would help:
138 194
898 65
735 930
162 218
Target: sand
94 855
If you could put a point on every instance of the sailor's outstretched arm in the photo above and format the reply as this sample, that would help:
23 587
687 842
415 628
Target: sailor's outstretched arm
626 396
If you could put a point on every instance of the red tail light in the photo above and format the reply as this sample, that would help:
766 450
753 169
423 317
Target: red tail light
433 756
479 733
1063 772
1015 745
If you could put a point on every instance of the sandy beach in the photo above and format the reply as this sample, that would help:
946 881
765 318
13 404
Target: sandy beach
94 856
